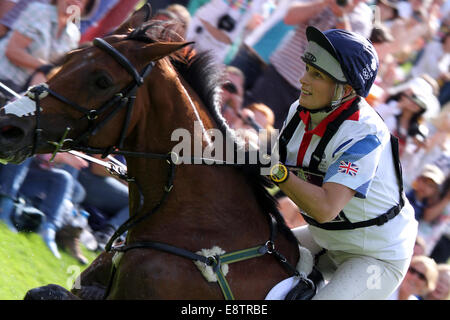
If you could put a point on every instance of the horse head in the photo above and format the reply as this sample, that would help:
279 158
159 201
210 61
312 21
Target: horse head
87 110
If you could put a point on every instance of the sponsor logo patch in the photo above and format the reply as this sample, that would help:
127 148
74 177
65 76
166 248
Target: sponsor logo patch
310 57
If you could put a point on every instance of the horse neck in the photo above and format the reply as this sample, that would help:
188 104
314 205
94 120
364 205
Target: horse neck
198 189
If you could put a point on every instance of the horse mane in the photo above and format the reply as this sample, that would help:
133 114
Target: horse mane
206 79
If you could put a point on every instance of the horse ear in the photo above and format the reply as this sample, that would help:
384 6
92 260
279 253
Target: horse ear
160 50
135 20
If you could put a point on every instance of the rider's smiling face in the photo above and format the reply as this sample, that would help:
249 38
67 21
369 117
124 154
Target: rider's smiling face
317 89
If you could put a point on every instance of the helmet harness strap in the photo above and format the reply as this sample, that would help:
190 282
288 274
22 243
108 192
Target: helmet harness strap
338 98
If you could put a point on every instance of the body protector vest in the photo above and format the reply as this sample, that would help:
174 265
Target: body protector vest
313 175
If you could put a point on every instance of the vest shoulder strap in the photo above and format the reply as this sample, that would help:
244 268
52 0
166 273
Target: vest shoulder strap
287 134
330 131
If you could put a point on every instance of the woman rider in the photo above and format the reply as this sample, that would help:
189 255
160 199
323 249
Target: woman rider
344 172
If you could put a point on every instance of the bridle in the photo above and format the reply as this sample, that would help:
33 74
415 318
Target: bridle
123 99
126 98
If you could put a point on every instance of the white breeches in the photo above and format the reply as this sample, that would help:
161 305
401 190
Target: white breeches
351 276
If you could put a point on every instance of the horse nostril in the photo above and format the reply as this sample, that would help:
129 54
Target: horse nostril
11 133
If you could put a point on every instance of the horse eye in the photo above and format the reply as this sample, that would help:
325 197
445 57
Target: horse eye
103 82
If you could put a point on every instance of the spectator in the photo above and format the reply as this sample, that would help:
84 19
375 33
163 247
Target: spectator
50 187
387 11
445 9
112 18
420 280
381 39
434 225
74 224
435 60
217 24
183 16
425 189
436 148
404 113
263 115
442 291
441 250
175 12
260 43
444 81
412 29
232 94
46 186
163 4
96 10
419 246
257 46
285 67
37 41
360 17
11 178
10 11
255 123
6 6
106 200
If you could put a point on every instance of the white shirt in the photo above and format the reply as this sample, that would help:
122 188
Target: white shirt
362 141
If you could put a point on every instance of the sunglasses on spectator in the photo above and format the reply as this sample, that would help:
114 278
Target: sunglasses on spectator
413 98
418 273
230 87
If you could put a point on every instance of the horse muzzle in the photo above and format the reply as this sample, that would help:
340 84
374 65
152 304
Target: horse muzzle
16 137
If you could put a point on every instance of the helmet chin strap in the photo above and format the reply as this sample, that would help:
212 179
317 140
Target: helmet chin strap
336 101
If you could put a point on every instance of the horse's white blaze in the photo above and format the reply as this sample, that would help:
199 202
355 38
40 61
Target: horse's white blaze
21 107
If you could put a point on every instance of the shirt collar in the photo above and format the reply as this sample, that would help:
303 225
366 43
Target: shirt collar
321 127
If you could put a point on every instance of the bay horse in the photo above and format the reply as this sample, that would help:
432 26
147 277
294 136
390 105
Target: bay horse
127 93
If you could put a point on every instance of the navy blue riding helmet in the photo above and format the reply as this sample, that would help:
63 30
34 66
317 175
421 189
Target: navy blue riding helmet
348 57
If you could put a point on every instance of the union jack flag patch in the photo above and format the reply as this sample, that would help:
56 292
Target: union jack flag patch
348 168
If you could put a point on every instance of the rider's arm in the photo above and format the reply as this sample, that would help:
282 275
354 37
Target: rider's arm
321 203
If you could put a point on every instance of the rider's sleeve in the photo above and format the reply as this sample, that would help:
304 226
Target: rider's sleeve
355 161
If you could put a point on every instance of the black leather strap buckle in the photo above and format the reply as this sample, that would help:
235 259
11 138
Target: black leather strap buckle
382 219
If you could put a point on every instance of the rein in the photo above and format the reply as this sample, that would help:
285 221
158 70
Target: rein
123 99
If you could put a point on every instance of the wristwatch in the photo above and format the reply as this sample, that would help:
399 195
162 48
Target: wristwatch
279 173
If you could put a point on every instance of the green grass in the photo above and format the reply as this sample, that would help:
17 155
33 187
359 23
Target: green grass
26 263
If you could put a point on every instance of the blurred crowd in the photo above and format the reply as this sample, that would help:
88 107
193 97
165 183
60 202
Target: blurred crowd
258 43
